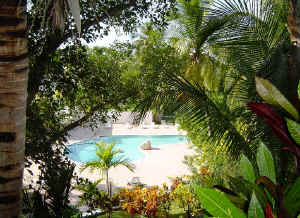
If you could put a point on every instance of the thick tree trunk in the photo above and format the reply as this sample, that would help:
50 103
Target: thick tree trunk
13 87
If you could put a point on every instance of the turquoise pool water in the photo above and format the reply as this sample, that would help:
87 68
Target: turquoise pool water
85 151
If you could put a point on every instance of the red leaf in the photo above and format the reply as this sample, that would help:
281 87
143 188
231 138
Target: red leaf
274 120
268 212
265 111
281 133
294 149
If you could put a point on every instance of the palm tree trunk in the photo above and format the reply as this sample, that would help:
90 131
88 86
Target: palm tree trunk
107 182
13 86
108 191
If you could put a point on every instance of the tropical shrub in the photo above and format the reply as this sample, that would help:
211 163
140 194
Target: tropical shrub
184 196
94 198
50 197
108 157
146 201
268 198
164 196
209 165
265 197
286 129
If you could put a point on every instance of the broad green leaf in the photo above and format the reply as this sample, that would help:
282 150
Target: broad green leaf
265 163
255 210
216 203
269 185
247 188
292 198
246 169
273 96
294 129
75 11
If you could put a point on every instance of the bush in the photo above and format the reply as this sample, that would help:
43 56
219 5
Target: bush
146 201
184 196
210 165
95 198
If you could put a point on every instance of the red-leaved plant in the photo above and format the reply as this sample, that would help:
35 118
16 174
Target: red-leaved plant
287 131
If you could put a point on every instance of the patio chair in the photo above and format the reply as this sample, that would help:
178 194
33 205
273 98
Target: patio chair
135 181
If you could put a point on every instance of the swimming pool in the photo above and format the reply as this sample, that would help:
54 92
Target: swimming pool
85 151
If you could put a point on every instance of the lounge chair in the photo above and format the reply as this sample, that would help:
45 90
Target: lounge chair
128 125
135 181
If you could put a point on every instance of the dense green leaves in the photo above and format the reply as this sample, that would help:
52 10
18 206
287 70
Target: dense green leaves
80 86
292 198
246 169
217 204
273 96
255 210
294 129
265 163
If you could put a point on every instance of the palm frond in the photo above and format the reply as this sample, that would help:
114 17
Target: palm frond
216 118
107 157
255 31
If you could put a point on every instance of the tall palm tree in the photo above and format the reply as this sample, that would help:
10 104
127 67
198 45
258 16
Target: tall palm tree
107 158
13 94
13 85
201 101
195 32
252 37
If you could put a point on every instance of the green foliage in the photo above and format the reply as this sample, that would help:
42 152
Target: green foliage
282 201
81 87
273 96
255 210
68 84
146 201
94 198
209 165
291 200
265 163
51 197
217 204
185 197
57 182
294 129
154 59
247 170
108 157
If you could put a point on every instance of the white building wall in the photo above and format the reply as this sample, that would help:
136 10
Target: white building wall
128 118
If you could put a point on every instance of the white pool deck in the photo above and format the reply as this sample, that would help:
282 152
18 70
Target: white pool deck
156 168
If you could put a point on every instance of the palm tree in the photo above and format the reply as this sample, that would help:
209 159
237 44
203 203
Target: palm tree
108 157
202 102
194 33
13 94
251 37
13 85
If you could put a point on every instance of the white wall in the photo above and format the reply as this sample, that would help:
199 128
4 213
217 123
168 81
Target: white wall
128 117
